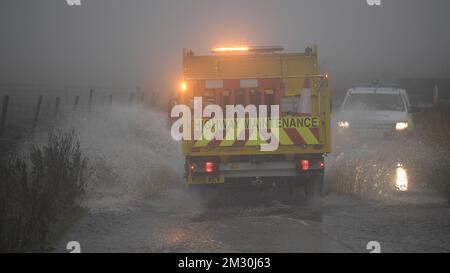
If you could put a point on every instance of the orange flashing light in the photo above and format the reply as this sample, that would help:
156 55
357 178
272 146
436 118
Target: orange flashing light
183 86
230 49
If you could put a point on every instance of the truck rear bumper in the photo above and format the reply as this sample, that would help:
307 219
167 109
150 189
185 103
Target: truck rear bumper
266 169
257 173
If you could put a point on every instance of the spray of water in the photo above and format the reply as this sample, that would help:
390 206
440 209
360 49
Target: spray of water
397 169
131 153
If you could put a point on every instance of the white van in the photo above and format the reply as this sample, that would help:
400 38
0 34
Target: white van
374 110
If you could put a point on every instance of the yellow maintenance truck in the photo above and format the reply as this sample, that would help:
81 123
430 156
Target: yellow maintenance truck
257 76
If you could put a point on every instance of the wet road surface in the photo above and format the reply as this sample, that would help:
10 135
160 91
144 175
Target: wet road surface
413 224
384 193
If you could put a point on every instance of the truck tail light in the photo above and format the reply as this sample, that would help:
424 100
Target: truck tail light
209 166
322 164
304 165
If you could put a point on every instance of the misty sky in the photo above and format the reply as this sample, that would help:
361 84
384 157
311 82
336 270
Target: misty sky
109 42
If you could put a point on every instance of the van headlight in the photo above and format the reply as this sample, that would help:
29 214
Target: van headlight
343 124
400 126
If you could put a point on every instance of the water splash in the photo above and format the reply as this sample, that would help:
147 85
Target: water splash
401 178
132 154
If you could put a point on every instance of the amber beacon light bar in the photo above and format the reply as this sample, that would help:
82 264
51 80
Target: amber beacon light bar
261 49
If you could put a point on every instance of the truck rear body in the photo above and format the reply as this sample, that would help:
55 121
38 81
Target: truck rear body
269 78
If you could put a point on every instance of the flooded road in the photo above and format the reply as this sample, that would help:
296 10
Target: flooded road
137 200
401 178
415 223
147 227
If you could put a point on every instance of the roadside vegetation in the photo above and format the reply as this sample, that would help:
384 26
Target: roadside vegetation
434 128
39 189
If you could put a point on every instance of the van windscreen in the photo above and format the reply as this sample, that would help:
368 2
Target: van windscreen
374 101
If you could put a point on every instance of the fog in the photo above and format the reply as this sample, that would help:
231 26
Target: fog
65 68
139 42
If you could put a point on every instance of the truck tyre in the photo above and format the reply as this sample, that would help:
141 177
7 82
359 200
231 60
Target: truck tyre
202 193
313 192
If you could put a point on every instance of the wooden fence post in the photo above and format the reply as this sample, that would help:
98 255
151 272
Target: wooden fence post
447 123
75 103
48 108
4 112
36 115
91 94
138 95
56 106
131 98
155 98
143 99
29 111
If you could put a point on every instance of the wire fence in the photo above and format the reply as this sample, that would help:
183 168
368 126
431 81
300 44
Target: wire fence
24 106
434 123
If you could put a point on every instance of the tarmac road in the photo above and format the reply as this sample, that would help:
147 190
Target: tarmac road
386 193
250 224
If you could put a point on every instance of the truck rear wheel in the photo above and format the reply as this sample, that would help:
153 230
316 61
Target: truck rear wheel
203 193
313 192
